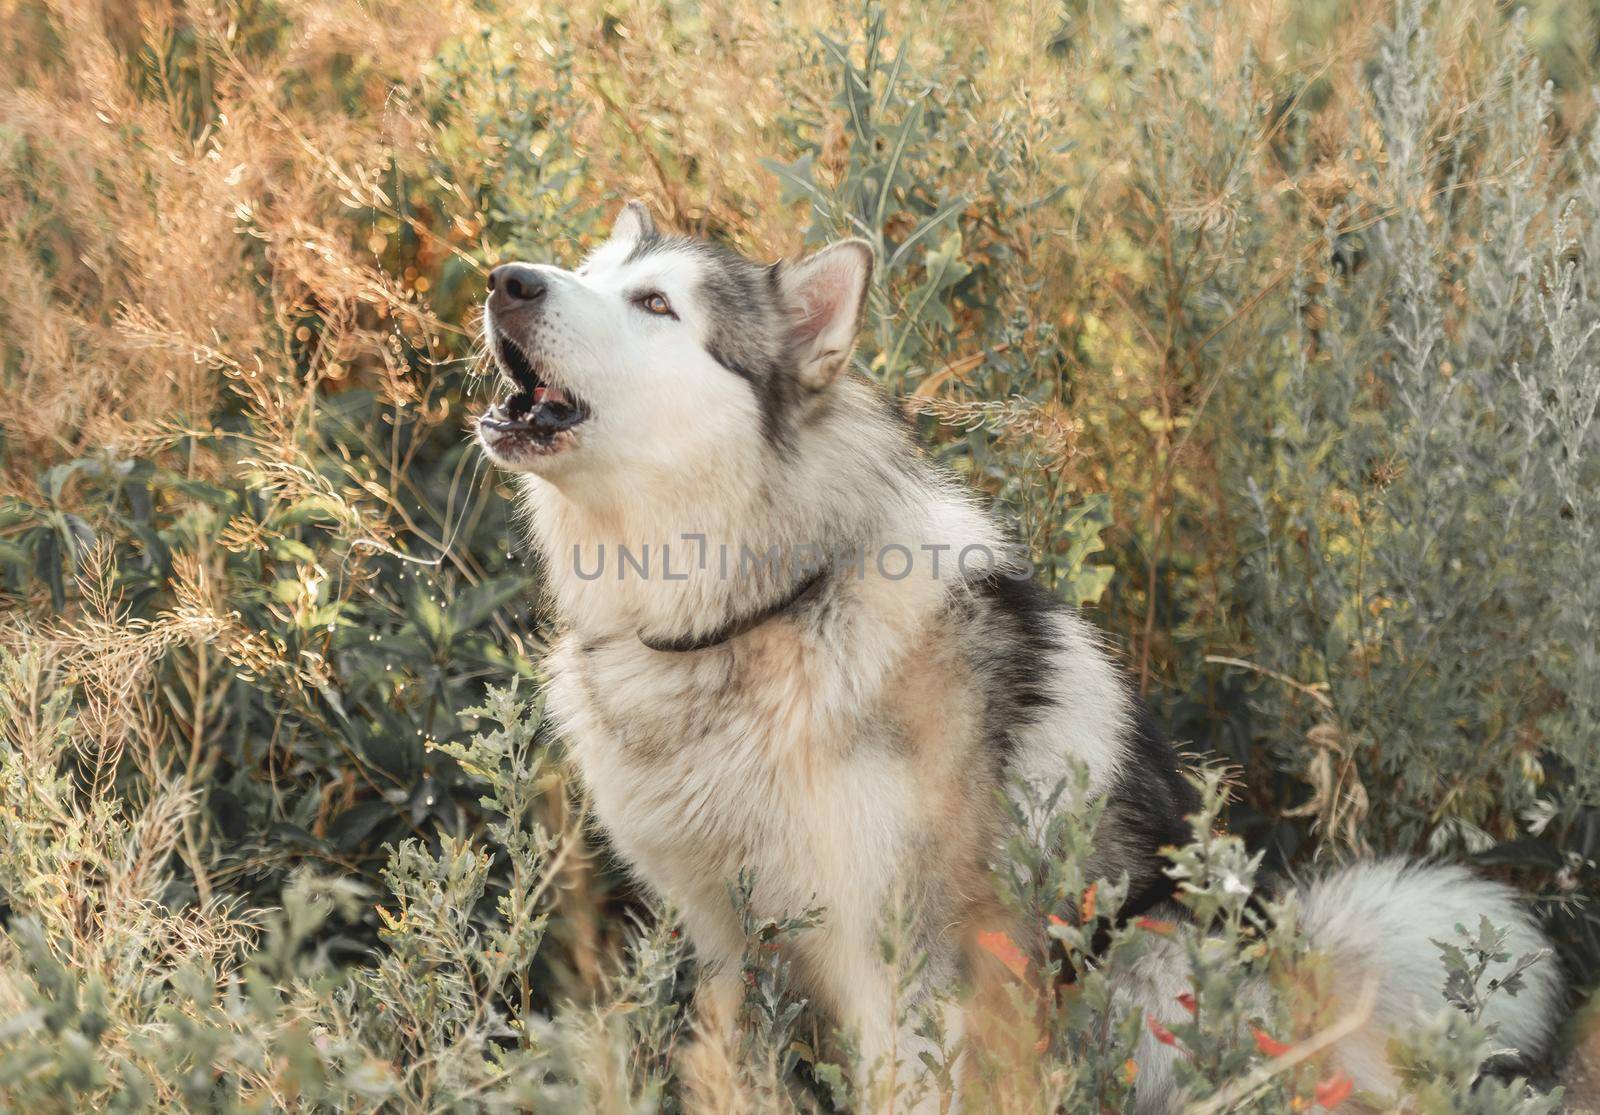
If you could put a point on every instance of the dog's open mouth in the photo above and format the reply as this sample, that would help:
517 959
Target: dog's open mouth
538 413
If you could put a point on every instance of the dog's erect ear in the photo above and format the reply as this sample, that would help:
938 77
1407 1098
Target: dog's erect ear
826 293
633 223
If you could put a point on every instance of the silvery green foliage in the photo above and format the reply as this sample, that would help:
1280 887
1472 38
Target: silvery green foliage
1253 989
1229 952
612 1055
436 1019
900 189
1092 1025
1445 1060
1426 496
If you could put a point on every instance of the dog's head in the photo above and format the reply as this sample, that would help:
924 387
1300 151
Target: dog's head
663 352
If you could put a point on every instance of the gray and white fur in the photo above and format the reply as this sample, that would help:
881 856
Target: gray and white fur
847 744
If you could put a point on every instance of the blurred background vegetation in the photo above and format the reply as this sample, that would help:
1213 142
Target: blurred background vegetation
1271 327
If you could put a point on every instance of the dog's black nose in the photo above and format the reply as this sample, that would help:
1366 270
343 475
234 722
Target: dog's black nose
512 284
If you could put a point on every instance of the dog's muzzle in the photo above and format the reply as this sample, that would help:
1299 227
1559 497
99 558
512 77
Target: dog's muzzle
538 412
536 408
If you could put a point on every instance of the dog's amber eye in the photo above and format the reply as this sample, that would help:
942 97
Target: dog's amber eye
656 303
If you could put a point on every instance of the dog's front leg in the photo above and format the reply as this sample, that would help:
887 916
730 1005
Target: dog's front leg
896 1051
716 1003
708 1058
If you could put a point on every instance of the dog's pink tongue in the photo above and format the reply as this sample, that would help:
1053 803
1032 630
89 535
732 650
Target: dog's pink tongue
539 394
550 395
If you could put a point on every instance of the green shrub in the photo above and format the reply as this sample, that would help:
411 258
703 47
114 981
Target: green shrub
1273 337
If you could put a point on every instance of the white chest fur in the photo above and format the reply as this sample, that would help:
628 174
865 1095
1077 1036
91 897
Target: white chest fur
740 758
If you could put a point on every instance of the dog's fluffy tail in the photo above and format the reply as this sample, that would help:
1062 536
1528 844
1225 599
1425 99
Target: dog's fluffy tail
1371 924
1375 923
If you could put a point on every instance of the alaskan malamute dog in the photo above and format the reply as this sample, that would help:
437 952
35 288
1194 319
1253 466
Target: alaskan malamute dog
792 645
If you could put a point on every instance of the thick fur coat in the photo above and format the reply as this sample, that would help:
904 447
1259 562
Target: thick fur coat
839 728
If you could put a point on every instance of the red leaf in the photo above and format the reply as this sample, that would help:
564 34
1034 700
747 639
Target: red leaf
1186 1001
1062 922
1268 1044
1156 925
1005 950
1160 1032
1089 897
1333 1091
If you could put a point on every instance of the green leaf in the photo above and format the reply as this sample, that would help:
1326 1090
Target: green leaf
925 228
425 614
78 535
794 179
48 565
472 607
292 549
897 151
854 95
307 509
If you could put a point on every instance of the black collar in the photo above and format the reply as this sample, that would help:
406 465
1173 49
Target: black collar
739 624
